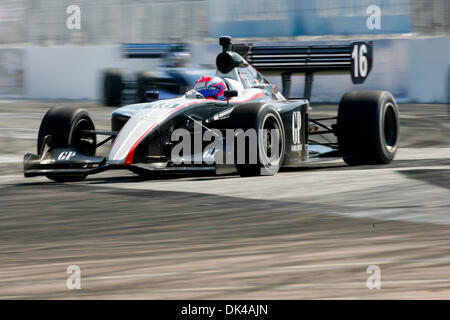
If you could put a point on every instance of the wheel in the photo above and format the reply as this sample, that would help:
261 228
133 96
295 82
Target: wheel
262 153
144 83
368 127
65 126
112 87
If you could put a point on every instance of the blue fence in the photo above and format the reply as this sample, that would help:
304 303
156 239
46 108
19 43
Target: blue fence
284 18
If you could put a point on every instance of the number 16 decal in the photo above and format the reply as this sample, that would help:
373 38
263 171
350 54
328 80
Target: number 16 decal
361 61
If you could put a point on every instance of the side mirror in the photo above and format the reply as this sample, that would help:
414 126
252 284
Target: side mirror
227 61
230 93
151 96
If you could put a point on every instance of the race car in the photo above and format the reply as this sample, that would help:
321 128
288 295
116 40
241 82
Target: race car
171 78
252 128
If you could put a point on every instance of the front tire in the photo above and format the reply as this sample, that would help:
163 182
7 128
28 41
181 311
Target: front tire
265 121
368 127
65 126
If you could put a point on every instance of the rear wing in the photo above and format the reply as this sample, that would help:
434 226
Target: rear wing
151 50
355 58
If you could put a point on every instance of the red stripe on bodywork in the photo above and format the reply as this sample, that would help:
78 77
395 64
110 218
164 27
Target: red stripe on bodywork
130 155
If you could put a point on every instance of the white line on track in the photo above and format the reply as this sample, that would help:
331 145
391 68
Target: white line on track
407 207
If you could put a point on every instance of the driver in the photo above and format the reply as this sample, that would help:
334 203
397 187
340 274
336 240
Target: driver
211 87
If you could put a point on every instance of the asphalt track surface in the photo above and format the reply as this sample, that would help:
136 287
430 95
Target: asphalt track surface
309 232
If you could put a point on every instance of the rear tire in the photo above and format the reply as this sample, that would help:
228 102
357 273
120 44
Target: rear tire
144 83
368 127
261 118
64 125
112 87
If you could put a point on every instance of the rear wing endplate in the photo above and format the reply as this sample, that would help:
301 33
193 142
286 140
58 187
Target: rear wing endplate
150 50
355 58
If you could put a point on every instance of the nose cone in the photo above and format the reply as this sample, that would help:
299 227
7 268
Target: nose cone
133 132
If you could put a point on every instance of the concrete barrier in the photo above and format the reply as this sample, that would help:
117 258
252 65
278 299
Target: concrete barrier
72 72
428 70
414 70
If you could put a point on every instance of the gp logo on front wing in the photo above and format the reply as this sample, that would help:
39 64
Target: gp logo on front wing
66 155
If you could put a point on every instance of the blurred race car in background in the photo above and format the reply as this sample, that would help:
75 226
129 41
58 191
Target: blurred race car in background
172 78
365 130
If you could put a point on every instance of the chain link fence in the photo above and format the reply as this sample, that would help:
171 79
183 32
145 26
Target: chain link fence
43 22
431 17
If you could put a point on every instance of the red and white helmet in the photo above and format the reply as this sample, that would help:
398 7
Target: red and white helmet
211 87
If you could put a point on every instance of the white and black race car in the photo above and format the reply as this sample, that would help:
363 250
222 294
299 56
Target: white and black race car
256 131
